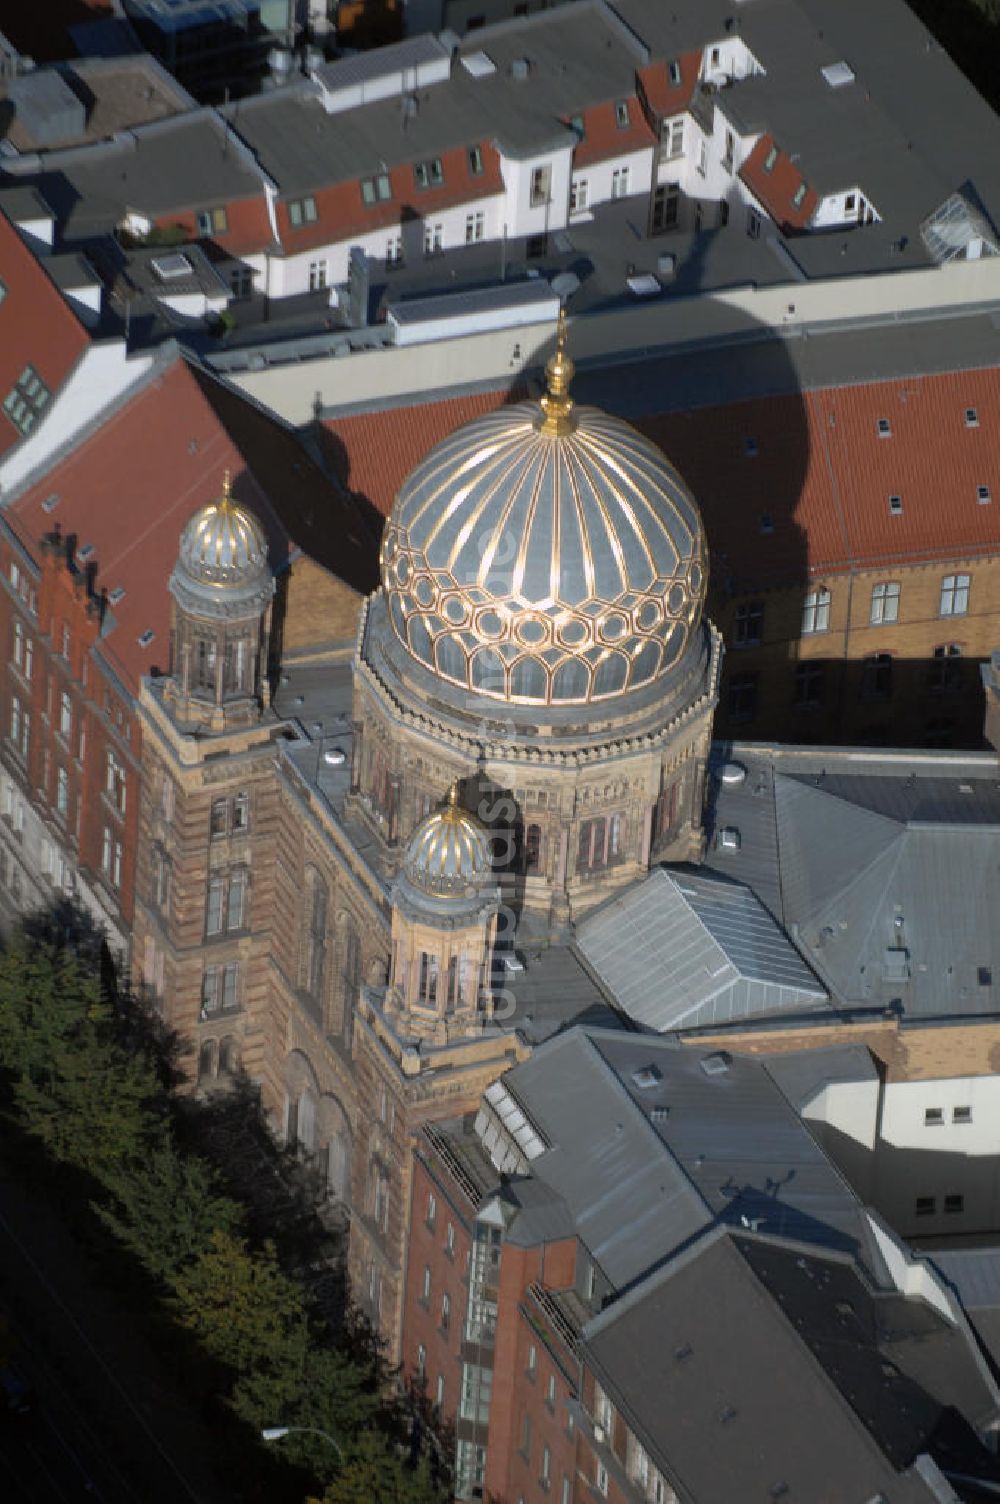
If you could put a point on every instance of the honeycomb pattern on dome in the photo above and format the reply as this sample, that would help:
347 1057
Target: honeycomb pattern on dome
545 569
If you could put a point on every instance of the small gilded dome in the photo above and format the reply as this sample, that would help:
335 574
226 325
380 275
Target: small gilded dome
546 554
222 567
223 542
449 853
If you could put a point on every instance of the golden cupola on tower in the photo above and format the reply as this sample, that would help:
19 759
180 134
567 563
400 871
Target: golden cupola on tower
546 554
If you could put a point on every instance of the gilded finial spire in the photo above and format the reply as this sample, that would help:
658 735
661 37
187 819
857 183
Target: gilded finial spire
557 404
226 499
452 809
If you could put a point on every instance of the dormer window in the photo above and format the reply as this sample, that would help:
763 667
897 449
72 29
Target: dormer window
884 428
674 72
302 211
771 159
475 161
799 196
429 174
375 190
621 114
212 222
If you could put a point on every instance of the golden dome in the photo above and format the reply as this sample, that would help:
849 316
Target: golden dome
449 852
545 554
223 543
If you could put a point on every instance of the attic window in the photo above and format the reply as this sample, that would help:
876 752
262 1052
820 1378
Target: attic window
933 1117
373 191
750 448
716 1064
118 594
428 174
985 976
476 161
971 418
146 638
85 552
799 196
51 502
884 428
212 221
621 114
983 495
646 1076
895 505
25 401
838 75
674 71
659 1114
770 159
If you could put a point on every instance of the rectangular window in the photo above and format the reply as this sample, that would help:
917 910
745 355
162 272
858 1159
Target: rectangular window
545 1476
114 783
620 182
961 1114
971 418
421 1361
429 174
433 237
933 1117
475 227
753 224
771 159
675 146
445 1312
425 1289
236 905
621 114
579 195
876 677
219 821
302 211
885 604
432 1207
954 595
601 1480
816 612
749 624
241 813
541 184
742 700
212 222
26 400
884 428
475 161
394 250
954 1205
666 208
65 714
925 1206
230 978
674 72
318 273
62 791
799 196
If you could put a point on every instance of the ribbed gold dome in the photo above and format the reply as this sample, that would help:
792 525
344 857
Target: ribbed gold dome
545 554
449 852
223 543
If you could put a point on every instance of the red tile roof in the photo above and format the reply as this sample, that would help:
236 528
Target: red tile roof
376 469
604 138
129 488
249 227
37 326
342 212
663 97
776 189
820 474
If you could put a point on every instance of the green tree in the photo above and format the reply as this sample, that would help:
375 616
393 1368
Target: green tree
372 1472
167 1210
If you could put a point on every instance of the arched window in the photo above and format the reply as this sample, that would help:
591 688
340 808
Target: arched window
203 664
228 1056
347 979
314 971
236 676
206 1060
533 848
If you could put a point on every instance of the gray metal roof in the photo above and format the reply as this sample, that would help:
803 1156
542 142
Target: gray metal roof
689 949
731 1403
802 1073
643 1168
881 866
973 1272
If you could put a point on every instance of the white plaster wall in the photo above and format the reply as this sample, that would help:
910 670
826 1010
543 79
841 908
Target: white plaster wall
735 61
905 1103
85 302
102 375
830 212
519 216
373 375
851 1107
600 176
911 1275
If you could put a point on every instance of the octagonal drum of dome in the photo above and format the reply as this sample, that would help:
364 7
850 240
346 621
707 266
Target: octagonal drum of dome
545 564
